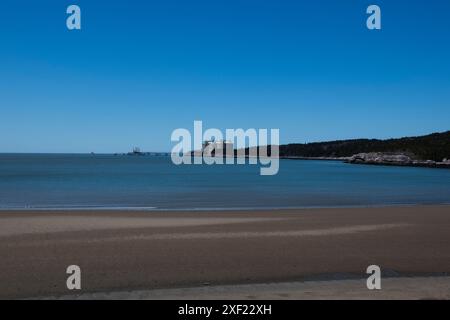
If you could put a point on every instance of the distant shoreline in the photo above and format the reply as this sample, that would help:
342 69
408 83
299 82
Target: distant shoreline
418 164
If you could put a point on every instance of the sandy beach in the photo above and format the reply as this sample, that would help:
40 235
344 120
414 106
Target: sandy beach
276 254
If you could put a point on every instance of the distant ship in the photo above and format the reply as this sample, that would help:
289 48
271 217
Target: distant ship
136 152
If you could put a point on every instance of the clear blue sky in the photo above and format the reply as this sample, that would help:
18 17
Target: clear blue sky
139 69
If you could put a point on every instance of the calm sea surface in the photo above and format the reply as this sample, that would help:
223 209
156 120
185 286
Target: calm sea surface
107 181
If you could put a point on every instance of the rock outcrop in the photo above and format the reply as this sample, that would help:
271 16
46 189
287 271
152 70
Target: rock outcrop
378 157
397 159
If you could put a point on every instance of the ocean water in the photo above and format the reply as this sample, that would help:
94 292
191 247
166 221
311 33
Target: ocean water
37 181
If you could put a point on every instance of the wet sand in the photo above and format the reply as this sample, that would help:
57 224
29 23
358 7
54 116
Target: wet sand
289 252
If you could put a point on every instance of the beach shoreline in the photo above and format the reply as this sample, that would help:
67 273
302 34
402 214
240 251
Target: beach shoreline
135 251
150 209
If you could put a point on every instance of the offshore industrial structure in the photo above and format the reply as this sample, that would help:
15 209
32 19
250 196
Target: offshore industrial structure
212 148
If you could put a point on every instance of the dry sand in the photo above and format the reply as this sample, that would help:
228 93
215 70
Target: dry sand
281 254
